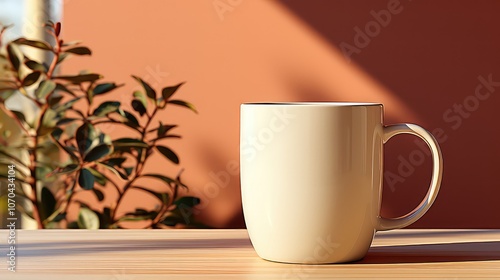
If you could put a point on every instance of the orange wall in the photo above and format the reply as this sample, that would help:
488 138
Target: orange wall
425 60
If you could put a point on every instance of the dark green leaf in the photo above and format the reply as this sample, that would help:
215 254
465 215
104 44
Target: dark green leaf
114 170
183 104
99 177
66 121
59 217
33 43
79 51
141 97
54 99
68 169
128 170
57 133
98 194
85 135
19 116
48 203
115 161
98 152
78 79
169 91
168 136
173 220
31 78
87 219
187 201
106 108
13 57
62 87
138 107
45 88
150 92
131 119
86 180
35 66
129 142
67 105
168 153
104 88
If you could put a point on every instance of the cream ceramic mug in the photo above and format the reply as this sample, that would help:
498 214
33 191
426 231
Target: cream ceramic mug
311 179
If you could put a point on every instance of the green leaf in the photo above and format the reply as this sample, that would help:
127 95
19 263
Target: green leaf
104 88
118 161
98 152
59 217
85 135
183 104
167 92
62 57
45 88
168 153
87 219
14 58
62 87
99 177
48 203
20 116
173 220
35 66
165 179
68 169
98 194
131 119
106 108
86 180
54 99
150 92
128 170
66 121
187 201
67 105
138 107
114 170
33 43
79 51
129 142
78 79
31 78
141 97
6 94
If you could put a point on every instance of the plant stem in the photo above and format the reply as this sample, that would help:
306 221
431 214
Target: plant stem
139 166
38 126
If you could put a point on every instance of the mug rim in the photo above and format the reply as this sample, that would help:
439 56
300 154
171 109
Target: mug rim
314 103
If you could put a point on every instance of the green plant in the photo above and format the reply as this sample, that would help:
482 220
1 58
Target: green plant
63 151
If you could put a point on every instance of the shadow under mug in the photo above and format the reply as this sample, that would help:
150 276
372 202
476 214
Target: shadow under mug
311 179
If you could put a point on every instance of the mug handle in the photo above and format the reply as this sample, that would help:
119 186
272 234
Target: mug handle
437 172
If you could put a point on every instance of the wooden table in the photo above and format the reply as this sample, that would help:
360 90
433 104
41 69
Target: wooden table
228 254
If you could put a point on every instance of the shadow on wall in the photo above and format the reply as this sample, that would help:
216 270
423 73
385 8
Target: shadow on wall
231 52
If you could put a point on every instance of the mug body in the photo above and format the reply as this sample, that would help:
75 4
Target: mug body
311 179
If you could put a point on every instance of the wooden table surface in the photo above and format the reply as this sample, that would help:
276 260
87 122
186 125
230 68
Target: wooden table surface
228 254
